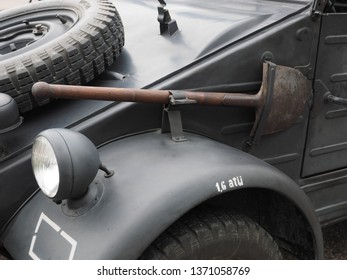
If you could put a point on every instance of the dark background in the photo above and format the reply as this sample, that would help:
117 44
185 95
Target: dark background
335 239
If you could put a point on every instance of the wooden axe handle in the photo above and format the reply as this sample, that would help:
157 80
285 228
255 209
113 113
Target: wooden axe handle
42 89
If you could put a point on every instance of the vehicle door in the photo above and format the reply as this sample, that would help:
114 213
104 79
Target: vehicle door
326 148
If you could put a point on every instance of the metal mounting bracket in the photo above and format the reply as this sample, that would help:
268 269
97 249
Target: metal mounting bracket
167 24
172 120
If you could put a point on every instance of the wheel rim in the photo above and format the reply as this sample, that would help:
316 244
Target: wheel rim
28 31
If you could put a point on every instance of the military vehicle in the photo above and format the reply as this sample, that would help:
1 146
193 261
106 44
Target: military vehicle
138 129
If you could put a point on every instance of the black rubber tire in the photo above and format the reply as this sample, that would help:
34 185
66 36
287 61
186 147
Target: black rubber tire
75 57
207 234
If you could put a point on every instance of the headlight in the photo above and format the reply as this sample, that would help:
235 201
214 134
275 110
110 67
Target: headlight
9 114
64 163
45 166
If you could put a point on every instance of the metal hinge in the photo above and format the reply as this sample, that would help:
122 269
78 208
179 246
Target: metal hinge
318 7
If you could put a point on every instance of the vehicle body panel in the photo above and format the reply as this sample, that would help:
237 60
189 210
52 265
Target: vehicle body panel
326 149
155 179
203 29
169 60
324 166
219 46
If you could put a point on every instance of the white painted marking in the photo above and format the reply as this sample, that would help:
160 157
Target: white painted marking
57 228
73 243
31 252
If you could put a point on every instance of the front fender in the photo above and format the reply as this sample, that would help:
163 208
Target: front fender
156 181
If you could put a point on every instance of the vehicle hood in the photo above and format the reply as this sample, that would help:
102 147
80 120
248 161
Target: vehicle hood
204 28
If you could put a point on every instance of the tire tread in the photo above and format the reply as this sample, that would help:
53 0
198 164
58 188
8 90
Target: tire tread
76 60
209 233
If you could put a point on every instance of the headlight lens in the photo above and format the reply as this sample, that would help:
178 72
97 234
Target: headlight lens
45 166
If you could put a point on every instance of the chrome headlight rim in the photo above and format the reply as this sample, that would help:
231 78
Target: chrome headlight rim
63 158
44 160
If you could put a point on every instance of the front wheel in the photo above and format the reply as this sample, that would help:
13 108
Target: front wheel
207 234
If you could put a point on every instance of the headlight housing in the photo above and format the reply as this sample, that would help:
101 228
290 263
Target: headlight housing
64 163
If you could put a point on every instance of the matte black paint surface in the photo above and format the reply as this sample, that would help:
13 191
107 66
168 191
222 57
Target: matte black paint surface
156 181
219 46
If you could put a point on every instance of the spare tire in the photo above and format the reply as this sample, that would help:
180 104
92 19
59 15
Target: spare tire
65 42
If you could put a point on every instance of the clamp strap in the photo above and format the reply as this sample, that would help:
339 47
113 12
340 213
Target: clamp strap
172 120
